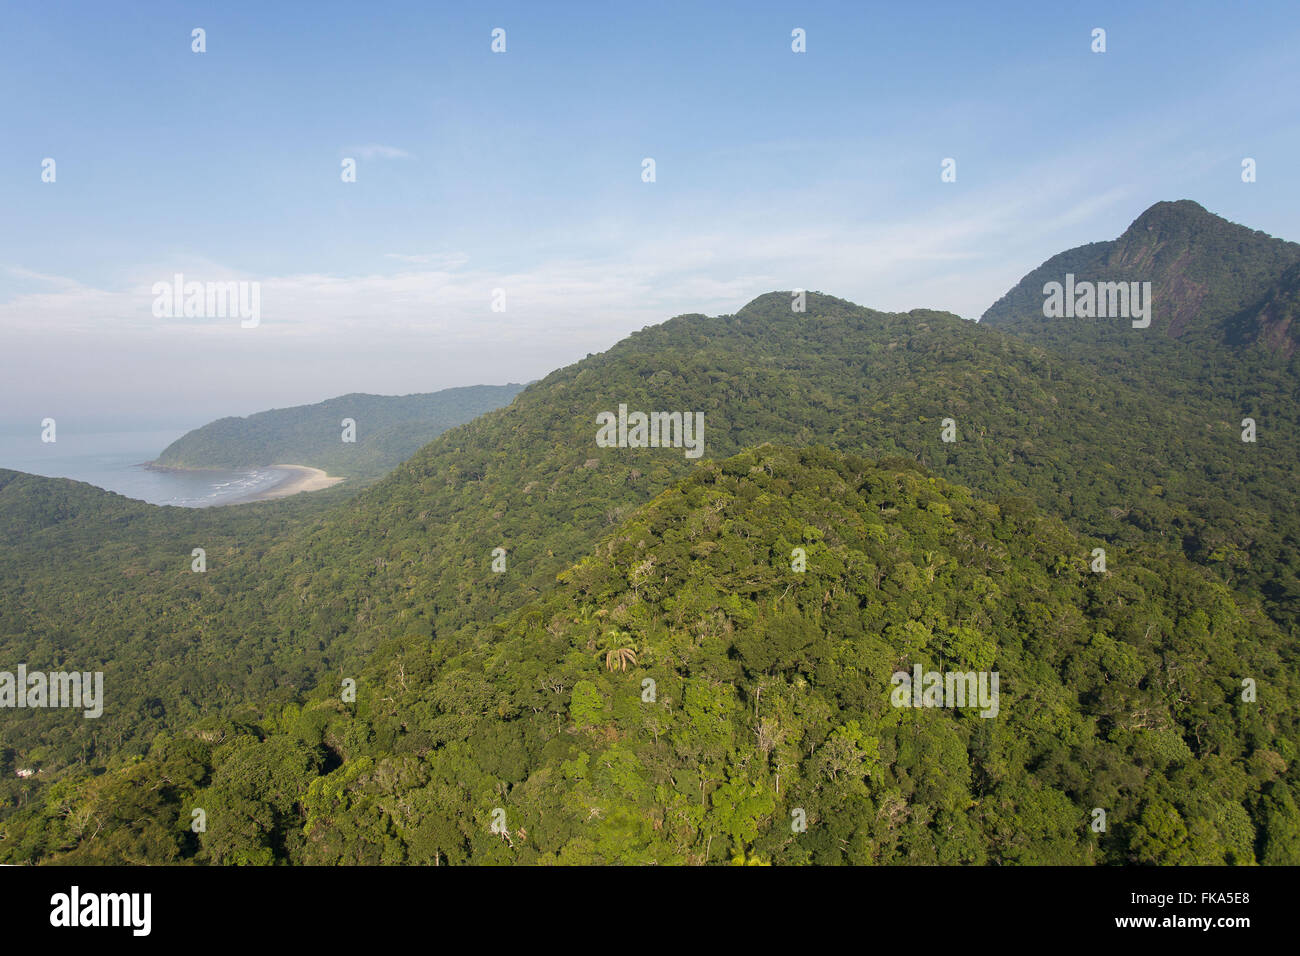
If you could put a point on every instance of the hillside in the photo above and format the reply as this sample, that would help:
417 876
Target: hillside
389 429
684 694
95 581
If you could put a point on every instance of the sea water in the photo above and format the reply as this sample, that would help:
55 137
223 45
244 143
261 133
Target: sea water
117 461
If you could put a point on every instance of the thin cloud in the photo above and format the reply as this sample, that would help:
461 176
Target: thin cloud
440 260
378 151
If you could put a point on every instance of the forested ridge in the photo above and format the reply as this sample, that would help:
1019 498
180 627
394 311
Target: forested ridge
480 691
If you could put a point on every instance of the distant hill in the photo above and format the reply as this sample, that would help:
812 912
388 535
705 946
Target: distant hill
389 429
1213 282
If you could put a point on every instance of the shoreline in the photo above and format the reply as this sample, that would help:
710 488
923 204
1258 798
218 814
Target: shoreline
297 478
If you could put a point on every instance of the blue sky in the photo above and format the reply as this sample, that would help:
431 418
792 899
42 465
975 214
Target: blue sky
522 171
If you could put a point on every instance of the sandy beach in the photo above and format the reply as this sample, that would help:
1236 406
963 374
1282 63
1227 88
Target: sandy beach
299 478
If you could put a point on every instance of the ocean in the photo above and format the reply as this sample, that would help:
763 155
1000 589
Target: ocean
116 461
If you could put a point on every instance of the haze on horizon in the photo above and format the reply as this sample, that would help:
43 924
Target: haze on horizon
479 171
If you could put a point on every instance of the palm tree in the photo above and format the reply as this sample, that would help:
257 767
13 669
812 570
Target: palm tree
618 657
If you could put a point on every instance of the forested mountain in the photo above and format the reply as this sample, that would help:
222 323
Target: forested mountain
685 693
388 430
1221 348
480 669
1095 451
1213 283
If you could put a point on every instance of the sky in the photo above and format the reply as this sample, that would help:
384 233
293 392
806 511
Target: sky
522 171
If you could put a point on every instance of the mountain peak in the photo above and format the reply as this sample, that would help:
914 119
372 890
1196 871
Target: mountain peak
821 305
783 301
1171 214
1210 279
1187 219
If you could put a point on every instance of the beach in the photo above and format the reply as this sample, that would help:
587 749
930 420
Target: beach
298 478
